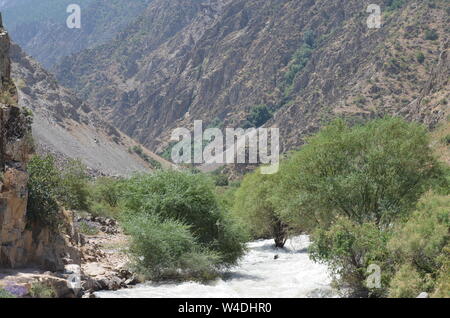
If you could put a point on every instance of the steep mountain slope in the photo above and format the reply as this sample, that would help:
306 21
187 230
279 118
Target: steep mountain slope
39 27
68 128
305 61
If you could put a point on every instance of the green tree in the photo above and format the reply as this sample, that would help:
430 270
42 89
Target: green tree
255 208
51 188
407 283
368 173
104 196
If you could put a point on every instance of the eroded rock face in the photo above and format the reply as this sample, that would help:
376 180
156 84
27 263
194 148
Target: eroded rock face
14 150
23 243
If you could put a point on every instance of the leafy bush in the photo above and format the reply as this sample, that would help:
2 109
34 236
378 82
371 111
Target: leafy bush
5 294
74 182
442 285
420 244
108 190
163 248
309 38
49 188
44 186
422 238
258 116
220 178
216 123
42 290
406 283
187 199
299 60
349 186
140 152
255 209
420 57
348 248
394 4
104 198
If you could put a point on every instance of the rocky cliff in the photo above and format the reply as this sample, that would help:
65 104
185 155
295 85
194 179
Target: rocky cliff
307 61
23 243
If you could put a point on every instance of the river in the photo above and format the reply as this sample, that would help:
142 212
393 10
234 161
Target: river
258 275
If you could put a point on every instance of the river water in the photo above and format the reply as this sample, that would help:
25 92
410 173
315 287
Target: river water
258 275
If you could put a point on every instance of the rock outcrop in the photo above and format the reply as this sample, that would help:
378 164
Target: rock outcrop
13 155
23 243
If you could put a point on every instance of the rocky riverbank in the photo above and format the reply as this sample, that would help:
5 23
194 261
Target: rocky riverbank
103 265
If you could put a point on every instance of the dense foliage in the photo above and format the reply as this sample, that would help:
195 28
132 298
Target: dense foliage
183 203
104 197
368 173
255 208
349 248
51 188
179 228
420 248
166 248
258 116
44 190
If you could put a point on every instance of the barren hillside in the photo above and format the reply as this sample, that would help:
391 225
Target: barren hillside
68 128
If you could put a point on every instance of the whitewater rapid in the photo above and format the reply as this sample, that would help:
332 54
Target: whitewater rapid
258 275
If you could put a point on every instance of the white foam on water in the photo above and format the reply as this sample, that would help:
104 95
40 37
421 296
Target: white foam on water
258 275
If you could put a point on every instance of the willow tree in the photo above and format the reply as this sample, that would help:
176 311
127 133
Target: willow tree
255 208
368 173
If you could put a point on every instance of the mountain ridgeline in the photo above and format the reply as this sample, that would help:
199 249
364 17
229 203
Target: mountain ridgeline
302 62
41 30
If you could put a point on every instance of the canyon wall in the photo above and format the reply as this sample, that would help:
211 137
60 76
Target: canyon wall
23 243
